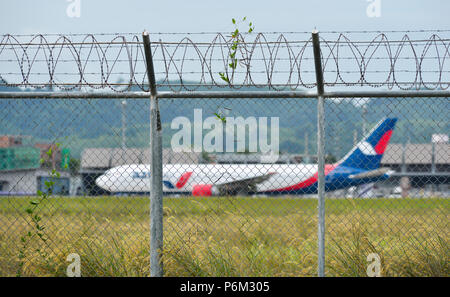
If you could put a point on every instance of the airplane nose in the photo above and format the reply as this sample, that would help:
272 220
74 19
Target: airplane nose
101 181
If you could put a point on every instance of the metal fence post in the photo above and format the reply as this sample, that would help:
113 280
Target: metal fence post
156 202
320 153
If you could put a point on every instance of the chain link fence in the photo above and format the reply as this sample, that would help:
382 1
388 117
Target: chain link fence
239 154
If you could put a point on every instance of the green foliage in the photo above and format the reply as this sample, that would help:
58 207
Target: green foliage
235 39
37 232
220 117
295 120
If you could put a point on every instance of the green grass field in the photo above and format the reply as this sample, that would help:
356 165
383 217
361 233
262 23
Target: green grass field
227 236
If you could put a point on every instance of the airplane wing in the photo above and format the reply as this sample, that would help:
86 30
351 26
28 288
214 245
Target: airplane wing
245 185
372 173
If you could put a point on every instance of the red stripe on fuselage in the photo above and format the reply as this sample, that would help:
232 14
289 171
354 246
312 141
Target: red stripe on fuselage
308 182
382 144
183 180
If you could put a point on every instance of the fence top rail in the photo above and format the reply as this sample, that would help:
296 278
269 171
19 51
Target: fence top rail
225 94
219 32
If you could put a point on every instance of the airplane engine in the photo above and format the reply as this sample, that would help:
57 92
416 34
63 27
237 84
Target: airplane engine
203 190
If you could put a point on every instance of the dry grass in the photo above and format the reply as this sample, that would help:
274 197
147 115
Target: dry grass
226 236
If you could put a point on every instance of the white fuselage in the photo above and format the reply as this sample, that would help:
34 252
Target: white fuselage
182 178
360 166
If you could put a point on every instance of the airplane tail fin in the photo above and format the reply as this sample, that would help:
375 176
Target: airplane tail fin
367 154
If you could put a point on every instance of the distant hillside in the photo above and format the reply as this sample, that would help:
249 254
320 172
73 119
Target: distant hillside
97 122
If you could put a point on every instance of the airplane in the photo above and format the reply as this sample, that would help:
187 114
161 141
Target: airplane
360 166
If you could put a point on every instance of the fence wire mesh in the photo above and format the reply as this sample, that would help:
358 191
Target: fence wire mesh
402 219
239 175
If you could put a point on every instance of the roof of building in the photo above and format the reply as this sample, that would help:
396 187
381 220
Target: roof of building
110 157
260 158
417 153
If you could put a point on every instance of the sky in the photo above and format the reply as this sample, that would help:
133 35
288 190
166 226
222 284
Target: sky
112 16
134 16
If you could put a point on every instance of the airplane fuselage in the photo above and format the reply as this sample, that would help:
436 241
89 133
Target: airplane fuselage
201 179
360 166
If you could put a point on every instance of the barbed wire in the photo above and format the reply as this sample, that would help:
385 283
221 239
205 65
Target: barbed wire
265 60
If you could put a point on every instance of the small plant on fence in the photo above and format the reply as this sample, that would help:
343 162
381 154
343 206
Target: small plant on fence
235 39
37 231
